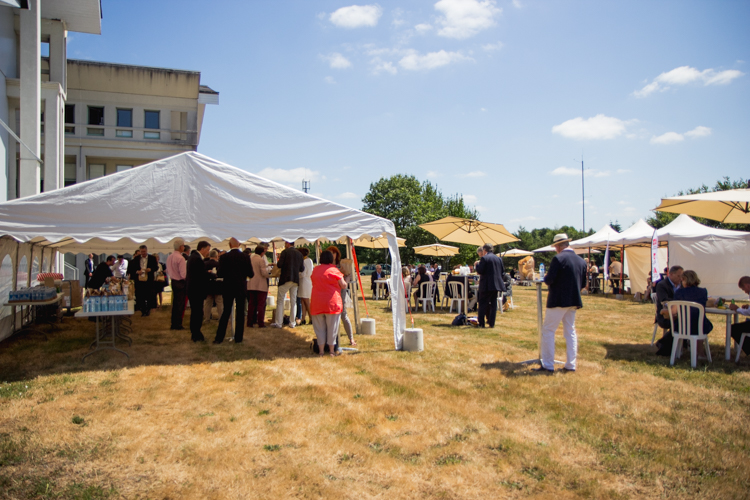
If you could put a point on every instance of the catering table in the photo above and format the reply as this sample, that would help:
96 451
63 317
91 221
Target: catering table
381 288
30 318
728 313
105 319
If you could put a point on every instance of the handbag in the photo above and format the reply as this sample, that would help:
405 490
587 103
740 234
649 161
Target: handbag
276 272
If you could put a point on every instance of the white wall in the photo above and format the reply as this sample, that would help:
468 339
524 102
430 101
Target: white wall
8 65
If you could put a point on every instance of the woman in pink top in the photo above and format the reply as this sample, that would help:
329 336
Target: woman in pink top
325 302
257 288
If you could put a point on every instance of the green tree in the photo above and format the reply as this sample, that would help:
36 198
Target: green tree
407 202
661 219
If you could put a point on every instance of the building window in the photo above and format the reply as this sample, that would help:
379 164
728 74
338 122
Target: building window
124 119
122 168
96 117
70 119
96 171
70 173
151 121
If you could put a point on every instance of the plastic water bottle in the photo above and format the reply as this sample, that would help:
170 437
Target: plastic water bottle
541 271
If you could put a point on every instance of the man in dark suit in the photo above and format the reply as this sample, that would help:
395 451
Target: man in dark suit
101 273
197 288
234 269
141 270
377 275
665 292
565 279
291 263
490 269
88 269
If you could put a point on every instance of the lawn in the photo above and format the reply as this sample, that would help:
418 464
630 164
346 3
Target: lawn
268 419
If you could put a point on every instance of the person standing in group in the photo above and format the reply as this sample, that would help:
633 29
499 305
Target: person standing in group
197 288
120 267
615 273
234 270
325 302
744 326
344 294
565 279
291 264
257 288
141 270
101 273
213 293
490 269
88 269
305 285
160 281
177 271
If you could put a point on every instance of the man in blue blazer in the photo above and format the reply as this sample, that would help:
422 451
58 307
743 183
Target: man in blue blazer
490 270
565 279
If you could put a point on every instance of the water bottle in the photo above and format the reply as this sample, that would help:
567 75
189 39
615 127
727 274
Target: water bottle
541 271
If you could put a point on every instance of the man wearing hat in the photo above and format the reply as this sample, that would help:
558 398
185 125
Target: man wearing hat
565 279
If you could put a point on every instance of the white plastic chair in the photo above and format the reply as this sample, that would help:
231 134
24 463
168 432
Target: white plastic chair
427 295
457 296
739 346
683 332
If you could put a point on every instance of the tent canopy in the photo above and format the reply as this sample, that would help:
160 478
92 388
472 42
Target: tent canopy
190 196
639 233
598 239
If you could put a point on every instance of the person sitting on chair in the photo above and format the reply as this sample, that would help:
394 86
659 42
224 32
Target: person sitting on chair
690 291
377 275
743 327
665 292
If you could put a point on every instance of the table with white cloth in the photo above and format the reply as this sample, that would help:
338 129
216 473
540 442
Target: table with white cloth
728 313
108 321
381 288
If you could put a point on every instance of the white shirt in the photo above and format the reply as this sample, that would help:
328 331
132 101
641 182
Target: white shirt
121 269
745 311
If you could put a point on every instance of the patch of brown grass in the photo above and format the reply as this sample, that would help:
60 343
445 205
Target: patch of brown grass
462 419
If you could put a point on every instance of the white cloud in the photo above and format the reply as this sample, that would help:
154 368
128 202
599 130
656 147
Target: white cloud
423 28
398 14
292 177
415 61
685 75
337 61
623 171
589 172
348 196
668 138
356 16
476 173
491 47
330 80
517 4
380 66
465 18
470 198
483 110
433 175
699 131
597 127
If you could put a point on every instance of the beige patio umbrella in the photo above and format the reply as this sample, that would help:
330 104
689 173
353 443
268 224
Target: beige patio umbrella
437 250
376 242
516 252
471 232
731 206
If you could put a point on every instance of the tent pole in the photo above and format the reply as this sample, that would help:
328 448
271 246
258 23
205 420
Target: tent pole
353 286
622 288
15 283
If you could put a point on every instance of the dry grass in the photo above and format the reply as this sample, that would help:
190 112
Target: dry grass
267 419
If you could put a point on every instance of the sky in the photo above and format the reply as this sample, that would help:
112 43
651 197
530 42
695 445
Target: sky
497 101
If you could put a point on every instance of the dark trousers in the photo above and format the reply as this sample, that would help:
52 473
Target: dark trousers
238 298
179 296
144 295
196 316
256 308
737 330
487 304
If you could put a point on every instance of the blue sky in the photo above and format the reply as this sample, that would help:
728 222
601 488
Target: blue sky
495 100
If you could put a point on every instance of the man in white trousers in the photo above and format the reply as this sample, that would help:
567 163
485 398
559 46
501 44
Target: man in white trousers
565 279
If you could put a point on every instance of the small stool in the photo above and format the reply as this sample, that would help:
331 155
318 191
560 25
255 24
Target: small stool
368 326
413 340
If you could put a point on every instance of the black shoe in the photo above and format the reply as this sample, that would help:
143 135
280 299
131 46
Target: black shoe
568 370
217 342
542 369
176 328
237 341
145 313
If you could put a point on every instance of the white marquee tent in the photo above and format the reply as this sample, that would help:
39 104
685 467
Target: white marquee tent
189 196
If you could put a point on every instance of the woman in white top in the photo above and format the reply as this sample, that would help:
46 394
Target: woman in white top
305 285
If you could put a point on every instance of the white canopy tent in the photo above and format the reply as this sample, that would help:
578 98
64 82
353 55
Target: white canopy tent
637 265
189 196
578 251
597 240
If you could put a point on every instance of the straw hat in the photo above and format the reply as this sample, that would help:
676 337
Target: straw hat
560 238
